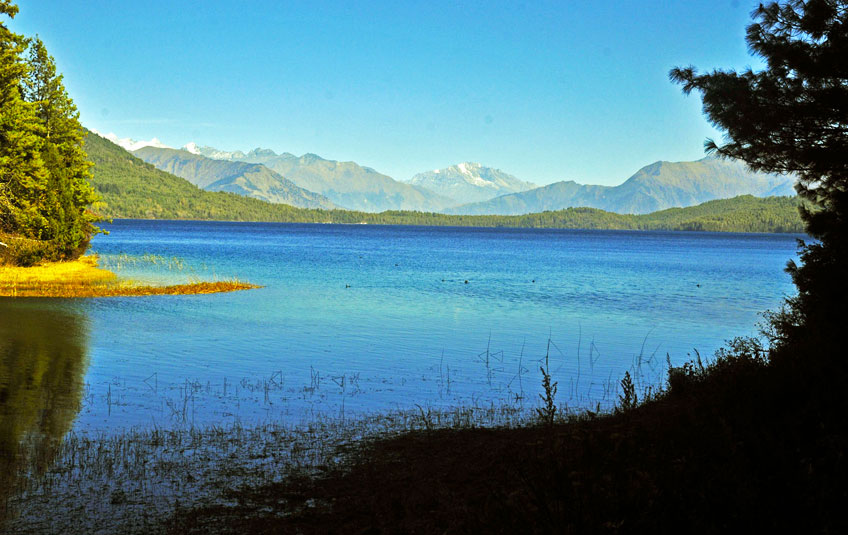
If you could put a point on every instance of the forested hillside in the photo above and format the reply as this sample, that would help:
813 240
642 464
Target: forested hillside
131 188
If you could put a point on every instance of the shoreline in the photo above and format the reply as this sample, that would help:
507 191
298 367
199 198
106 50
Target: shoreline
467 227
84 279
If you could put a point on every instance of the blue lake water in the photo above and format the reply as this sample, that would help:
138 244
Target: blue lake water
362 318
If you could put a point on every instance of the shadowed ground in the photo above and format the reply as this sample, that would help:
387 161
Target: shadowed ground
741 443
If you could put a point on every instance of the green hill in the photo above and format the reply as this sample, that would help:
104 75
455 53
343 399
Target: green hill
131 188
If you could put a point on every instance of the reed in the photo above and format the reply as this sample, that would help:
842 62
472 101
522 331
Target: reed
84 278
133 480
130 481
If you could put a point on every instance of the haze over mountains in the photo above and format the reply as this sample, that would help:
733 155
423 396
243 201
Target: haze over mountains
470 182
251 180
466 188
132 188
657 186
344 184
349 184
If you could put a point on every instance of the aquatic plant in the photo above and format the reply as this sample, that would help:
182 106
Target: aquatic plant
83 278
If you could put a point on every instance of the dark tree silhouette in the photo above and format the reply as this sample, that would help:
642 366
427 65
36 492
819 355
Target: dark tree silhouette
792 117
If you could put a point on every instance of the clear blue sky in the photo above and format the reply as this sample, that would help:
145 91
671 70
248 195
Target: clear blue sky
547 91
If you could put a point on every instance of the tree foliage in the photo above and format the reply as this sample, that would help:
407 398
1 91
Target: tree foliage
44 172
792 116
22 172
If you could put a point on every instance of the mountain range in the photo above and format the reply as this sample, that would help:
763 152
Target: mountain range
471 188
462 189
347 184
657 186
251 180
132 188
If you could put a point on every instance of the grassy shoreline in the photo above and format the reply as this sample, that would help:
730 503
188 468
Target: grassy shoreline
83 278
751 440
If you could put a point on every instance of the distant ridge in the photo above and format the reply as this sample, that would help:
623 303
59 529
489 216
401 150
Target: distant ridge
252 180
211 152
657 186
347 184
131 188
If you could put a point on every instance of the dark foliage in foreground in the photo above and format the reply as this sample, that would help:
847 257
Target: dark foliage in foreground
792 116
740 443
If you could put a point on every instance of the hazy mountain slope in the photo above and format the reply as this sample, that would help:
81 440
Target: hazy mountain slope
212 152
555 196
657 186
347 184
469 182
132 188
667 184
252 180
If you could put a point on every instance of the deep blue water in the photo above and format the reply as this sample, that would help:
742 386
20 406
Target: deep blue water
363 318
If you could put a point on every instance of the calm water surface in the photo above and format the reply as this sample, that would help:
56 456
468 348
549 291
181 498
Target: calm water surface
355 319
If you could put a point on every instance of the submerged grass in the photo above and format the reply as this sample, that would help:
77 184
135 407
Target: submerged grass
744 441
83 278
132 482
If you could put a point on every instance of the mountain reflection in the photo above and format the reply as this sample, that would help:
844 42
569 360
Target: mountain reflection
43 358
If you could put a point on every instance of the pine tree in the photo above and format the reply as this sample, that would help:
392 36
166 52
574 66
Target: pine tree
23 177
44 172
792 117
69 191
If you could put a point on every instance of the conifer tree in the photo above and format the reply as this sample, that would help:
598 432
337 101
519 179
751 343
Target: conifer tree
69 191
23 177
792 117
44 172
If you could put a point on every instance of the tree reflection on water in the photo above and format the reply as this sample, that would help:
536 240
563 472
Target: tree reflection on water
43 358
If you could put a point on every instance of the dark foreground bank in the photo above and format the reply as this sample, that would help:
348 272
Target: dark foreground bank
751 441
755 440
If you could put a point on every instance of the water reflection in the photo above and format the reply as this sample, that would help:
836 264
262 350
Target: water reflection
43 358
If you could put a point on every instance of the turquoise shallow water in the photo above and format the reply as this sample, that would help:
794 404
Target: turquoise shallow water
361 318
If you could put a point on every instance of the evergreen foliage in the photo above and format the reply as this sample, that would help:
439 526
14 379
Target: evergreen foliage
44 171
792 117
23 175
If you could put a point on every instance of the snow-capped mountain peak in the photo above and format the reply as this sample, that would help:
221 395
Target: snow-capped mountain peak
212 152
192 147
131 144
470 182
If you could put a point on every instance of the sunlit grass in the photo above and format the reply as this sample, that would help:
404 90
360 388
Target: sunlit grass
83 278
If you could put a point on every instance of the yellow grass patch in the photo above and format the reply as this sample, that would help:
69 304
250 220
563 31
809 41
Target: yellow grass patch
82 278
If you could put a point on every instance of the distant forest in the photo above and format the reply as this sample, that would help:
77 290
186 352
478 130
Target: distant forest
131 188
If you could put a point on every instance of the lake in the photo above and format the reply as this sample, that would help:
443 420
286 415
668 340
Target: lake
357 319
